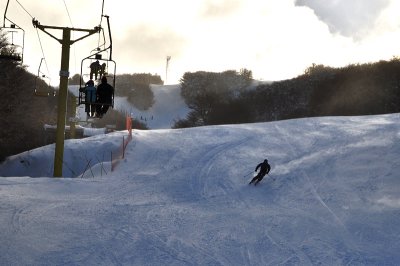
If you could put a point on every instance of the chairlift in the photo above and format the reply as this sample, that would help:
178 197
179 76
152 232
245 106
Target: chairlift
42 84
95 66
12 51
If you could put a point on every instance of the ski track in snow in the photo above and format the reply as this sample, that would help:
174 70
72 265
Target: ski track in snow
295 154
202 174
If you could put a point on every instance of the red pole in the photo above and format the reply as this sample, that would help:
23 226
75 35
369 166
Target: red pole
129 124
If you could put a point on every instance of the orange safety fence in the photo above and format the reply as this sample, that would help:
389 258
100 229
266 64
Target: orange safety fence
119 154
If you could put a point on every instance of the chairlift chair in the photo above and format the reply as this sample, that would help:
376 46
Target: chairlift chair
12 51
42 87
106 68
42 84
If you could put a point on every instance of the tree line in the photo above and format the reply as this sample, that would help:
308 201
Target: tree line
213 97
229 97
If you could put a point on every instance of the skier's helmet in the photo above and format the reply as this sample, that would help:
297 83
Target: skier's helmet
265 161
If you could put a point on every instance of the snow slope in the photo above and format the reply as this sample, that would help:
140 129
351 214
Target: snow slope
168 107
180 197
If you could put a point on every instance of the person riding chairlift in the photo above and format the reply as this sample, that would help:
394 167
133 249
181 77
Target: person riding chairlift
95 67
105 94
90 98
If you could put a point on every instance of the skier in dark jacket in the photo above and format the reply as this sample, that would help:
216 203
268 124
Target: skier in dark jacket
264 169
105 93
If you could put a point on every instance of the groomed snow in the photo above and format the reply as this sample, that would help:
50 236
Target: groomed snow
179 197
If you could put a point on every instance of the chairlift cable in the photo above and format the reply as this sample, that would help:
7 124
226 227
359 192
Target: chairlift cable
24 9
102 13
40 42
66 8
38 35
72 25
12 22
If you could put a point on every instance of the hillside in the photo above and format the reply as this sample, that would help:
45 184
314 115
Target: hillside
180 197
322 91
168 106
22 114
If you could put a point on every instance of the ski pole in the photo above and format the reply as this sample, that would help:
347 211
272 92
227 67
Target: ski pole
248 174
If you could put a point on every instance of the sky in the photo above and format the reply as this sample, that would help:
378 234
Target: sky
181 197
276 39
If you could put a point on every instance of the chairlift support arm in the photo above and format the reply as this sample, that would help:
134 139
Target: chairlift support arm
40 65
7 19
36 24
110 37
109 34
5 12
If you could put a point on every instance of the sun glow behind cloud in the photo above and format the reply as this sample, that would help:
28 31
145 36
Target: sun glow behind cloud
274 39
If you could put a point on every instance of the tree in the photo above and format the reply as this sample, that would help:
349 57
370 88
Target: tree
136 87
75 80
204 92
6 49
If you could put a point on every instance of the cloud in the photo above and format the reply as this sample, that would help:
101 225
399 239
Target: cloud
217 9
274 39
145 45
350 18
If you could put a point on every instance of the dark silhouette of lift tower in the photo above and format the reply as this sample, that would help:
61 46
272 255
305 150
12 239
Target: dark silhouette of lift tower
66 42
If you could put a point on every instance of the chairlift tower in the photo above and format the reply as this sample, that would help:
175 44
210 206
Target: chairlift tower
66 42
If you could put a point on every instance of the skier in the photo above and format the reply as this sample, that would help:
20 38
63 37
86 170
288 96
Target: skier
265 168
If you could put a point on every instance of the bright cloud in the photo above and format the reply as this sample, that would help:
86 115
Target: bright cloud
352 18
274 39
